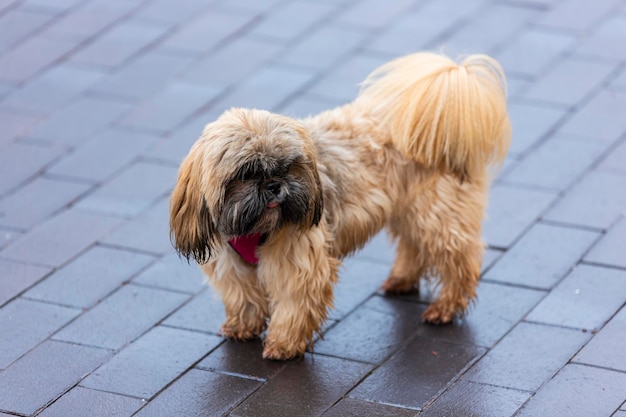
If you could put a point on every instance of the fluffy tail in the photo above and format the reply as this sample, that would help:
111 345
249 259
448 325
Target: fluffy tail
442 114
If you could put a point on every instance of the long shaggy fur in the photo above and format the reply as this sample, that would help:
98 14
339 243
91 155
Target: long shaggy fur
410 154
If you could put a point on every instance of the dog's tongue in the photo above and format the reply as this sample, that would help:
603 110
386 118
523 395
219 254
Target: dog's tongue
246 247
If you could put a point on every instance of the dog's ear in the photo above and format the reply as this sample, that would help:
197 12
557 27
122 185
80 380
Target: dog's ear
191 227
318 198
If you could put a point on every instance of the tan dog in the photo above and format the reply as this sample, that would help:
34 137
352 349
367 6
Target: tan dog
269 205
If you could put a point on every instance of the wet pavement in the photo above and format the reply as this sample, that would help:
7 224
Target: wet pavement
100 100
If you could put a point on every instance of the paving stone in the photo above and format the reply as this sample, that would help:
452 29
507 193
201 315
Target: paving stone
60 238
547 167
16 25
267 88
234 358
175 147
170 107
79 121
148 232
469 399
118 44
52 6
542 256
44 374
172 273
31 56
585 299
164 11
590 392
372 14
528 356
304 105
576 15
26 323
89 19
291 20
86 402
144 76
132 191
121 317
14 126
531 124
7 236
533 51
350 407
6 4
323 47
149 364
496 310
511 211
491 256
569 81
101 156
599 119
604 41
20 161
53 89
16 277
608 348
321 381
204 313
373 332
225 66
610 249
37 200
207 31
200 393
260 6
598 200
90 277
415 375
613 161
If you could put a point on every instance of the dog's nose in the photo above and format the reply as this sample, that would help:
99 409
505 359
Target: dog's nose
273 187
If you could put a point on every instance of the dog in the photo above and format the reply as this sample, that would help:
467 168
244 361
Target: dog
269 205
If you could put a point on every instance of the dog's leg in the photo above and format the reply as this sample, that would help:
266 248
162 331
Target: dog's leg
407 269
244 300
299 275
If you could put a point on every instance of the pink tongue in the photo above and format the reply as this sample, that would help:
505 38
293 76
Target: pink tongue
246 247
273 205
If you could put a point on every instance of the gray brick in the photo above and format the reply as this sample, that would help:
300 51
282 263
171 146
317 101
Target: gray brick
556 163
528 356
16 277
533 51
52 6
543 256
59 239
86 402
577 15
585 299
373 14
21 161
598 200
79 121
44 374
608 348
176 146
90 277
600 118
172 273
53 89
315 388
118 44
610 249
589 392
7 236
170 107
132 191
469 399
145 367
17 24
530 125
6 4
143 76
37 200
373 332
291 20
200 393
613 161
233 358
204 313
101 156
379 249
26 323
569 81
350 407
511 211
304 105
605 41
166 12
30 57
414 376
14 126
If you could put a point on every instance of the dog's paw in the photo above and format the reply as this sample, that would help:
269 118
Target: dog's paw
395 285
281 353
438 314
240 332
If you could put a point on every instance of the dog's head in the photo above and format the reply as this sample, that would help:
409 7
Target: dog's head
251 171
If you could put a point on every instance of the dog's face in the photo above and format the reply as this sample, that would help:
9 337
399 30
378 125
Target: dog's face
251 171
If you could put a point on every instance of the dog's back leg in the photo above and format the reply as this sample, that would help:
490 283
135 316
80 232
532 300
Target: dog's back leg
409 266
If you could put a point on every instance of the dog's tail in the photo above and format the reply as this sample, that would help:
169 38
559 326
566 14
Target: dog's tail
442 114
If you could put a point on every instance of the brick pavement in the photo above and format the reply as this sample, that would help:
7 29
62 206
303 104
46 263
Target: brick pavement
100 100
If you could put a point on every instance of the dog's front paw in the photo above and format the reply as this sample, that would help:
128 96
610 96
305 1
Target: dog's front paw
438 313
241 332
395 285
278 352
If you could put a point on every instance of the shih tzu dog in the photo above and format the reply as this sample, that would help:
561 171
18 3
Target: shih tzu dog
269 205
